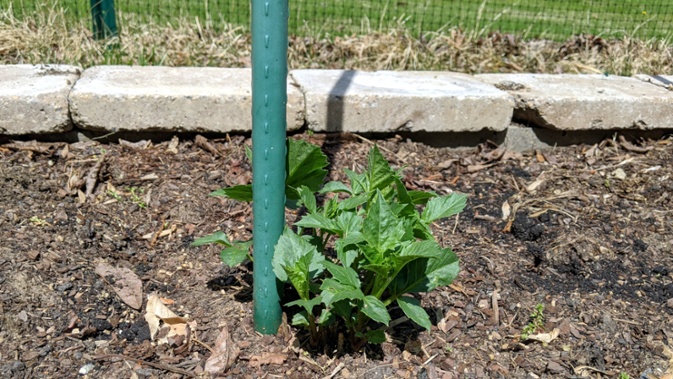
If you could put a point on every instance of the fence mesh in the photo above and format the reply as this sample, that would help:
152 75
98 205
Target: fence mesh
550 19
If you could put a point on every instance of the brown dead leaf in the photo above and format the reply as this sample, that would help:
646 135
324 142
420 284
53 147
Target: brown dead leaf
124 282
544 337
224 354
267 359
156 313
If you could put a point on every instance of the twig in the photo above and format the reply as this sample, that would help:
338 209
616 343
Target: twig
494 306
160 366
363 139
203 143
335 371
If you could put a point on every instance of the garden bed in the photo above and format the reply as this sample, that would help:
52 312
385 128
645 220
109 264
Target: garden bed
582 234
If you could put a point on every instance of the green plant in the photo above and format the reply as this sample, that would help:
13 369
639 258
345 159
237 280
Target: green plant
535 323
368 247
135 193
623 375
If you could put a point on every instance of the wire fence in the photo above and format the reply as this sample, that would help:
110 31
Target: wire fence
550 19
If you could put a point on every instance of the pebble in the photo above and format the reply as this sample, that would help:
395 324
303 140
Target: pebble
669 303
87 368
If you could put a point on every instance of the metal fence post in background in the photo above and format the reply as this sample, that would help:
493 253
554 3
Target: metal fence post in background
269 100
104 19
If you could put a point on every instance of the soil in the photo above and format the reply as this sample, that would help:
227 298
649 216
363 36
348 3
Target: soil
584 233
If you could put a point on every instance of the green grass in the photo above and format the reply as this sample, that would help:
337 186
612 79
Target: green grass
551 19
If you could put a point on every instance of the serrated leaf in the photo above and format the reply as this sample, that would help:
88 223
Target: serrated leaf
218 237
335 186
308 199
421 197
349 223
344 275
377 336
444 206
300 319
305 165
375 310
443 270
412 309
381 228
317 221
236 254
334 291
359 182
352 202
425 274
307 304
402 193
421 249
296 260
241 192
379 172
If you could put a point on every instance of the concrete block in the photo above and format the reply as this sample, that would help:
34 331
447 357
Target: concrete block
34 99
170 99
586 102
387 101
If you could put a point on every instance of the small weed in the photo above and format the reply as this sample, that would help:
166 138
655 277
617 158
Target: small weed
536 322
38 221
136 197
115 195
623 375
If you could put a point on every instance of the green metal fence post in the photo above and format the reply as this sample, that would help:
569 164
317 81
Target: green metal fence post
269 100
104 19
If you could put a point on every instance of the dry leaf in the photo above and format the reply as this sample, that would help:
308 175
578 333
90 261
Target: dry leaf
156 313
173 145
125 283
224 354
506 210
545 337
268 359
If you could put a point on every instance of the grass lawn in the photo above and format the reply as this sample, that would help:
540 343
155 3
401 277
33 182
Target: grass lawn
550 19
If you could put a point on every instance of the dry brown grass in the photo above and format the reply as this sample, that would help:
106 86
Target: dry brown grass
50 38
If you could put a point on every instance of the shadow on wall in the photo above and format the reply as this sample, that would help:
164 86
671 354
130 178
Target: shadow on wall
335 102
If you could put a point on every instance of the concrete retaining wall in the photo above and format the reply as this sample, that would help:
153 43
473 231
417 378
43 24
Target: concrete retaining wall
52 99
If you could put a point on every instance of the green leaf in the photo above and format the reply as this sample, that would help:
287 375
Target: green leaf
402 193
344 275
375 310
444 206
248 153
378 170
307 304
236 254
376 336
296 260
318 221
359 182
305 165
412 309
381 228
443 270
241 192
349 223
218 237
421 197
308 199
334 291
335 187
421 249
425 274
352 202
300 319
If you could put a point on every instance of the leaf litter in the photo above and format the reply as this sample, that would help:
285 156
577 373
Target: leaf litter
594 249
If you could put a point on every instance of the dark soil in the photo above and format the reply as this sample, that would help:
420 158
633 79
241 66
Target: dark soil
587 233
